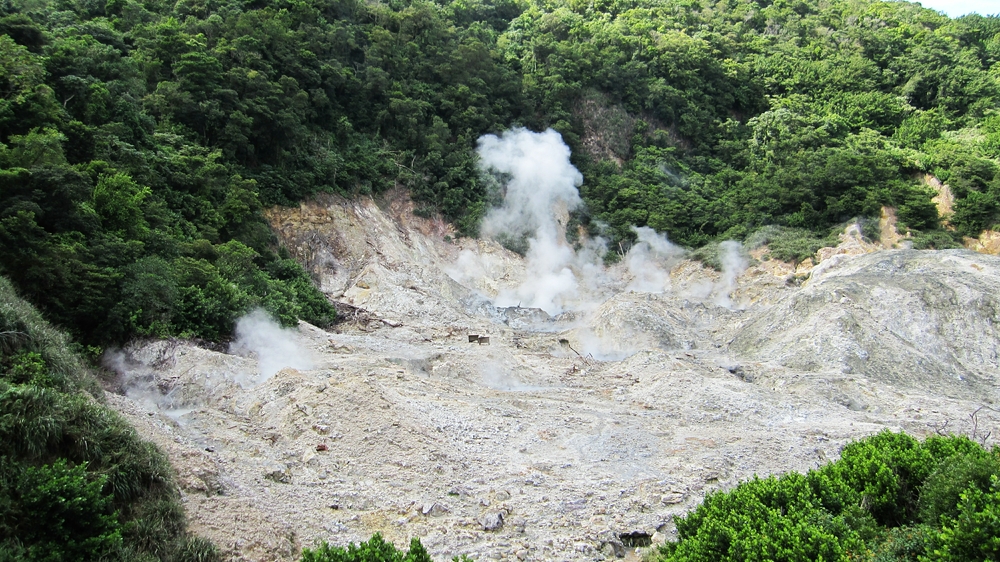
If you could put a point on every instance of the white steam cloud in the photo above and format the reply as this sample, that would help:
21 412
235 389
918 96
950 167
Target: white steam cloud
542 180
540 192
274 347
650 260
496 378
140 382
538 198
734 262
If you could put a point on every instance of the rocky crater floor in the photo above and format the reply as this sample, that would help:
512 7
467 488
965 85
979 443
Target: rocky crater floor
510 433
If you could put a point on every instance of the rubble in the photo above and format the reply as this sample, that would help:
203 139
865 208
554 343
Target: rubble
539 446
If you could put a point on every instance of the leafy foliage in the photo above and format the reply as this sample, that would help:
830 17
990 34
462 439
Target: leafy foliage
888 498
60 514
76 481
140 140
375 549
788 244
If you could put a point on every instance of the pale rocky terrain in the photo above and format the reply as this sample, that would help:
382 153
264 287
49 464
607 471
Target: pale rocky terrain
564 438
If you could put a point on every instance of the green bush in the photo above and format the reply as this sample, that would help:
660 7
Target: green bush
763 519
789 244
935 240
974 533
941 492
76 481
196 549
903 544
888 498
375 549
59 512
978 211
32 350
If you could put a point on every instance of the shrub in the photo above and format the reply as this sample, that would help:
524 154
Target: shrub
865 505
763 519
59 512
375 549
976 212
76 481
935 240
941 493
27 342
789 244
974 534
882 474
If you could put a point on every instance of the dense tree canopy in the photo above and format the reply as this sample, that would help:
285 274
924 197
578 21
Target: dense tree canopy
139 139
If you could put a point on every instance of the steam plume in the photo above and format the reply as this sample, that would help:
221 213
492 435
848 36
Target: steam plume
275 347
539 192
649 261
539 196
733 264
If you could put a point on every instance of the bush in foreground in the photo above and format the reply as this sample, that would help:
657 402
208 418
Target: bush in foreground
888 498
76 480
375 549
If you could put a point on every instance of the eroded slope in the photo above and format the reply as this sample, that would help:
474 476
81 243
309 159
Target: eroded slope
564 432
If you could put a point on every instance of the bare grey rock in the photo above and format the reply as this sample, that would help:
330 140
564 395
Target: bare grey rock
928 320
434 509
654 400
277 473
492 521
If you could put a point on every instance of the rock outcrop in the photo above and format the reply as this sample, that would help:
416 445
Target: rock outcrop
929 320
568 433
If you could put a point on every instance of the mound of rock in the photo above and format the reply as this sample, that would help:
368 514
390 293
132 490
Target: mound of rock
913 319
629 322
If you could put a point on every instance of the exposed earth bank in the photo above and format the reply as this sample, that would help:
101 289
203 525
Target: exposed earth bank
570 437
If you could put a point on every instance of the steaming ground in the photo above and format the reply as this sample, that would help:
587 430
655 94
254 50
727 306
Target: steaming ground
540 408
565 431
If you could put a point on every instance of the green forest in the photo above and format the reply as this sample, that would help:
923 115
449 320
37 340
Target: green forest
141 139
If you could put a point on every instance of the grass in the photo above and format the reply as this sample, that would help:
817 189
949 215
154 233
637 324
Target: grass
53 423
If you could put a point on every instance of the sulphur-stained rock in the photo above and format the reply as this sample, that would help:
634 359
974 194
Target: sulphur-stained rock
852 243
571 428
943 199
987 243
889 236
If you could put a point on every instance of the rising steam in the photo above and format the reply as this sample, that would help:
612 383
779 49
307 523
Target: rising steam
734 262
542 182
540 193
650 259
539 187
275 348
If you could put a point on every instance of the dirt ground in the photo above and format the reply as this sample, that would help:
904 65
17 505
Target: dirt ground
574 437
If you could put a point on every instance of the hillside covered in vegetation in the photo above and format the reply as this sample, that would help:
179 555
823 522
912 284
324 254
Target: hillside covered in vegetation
141 138
76 481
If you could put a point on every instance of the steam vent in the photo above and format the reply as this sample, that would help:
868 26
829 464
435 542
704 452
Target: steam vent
543 405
